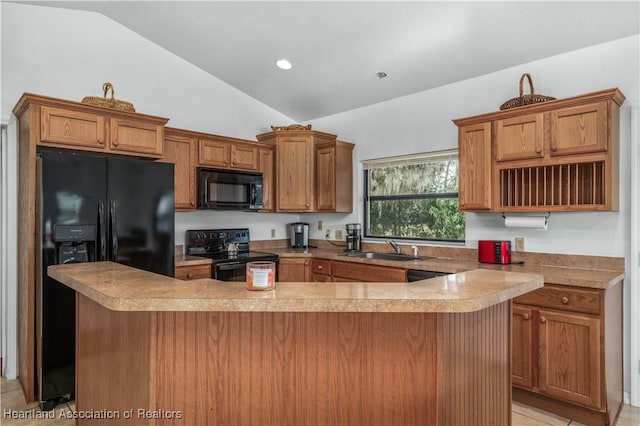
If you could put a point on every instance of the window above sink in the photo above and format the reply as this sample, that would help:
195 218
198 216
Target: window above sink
413 197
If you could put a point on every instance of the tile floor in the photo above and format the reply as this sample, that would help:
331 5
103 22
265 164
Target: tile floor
12 399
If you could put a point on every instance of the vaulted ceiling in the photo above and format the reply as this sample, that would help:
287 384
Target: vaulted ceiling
338 48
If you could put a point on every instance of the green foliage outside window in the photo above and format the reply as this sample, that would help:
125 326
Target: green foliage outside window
417 201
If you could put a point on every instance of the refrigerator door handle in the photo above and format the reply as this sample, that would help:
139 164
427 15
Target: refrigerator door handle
114 232
103 231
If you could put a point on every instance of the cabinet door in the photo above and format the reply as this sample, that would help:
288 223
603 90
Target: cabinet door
326 179
579 129
474 156
294 270
295 180
266 166
213 153
181 151
135 137
569 363
73 128
244 157
522 350
519 138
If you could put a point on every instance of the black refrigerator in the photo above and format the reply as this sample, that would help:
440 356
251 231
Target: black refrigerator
92 208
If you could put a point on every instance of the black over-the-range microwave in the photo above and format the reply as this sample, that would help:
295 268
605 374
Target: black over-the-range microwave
229 189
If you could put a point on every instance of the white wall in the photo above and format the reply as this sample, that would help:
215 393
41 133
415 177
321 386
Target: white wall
422 122
69 54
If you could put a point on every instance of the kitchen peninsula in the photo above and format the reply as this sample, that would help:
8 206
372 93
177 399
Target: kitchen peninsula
205 352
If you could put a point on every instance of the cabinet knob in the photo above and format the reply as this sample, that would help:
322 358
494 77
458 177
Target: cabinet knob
543 320
564 300
538 150
115 142
193 204
554 147
190 275
525 316
319 266
306 205
101 141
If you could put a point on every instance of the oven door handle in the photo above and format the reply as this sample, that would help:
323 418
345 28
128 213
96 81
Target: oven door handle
230 266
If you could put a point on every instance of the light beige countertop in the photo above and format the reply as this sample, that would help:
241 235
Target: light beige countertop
186 260
579 277
122 288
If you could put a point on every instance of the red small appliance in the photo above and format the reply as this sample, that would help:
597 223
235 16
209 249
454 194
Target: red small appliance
490 251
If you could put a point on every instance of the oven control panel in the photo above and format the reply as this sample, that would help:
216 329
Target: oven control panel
215 240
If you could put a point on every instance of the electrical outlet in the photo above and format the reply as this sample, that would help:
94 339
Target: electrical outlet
273 233
320 225
338 234
519 243
327 233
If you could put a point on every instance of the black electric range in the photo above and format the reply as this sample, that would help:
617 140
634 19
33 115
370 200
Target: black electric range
229 250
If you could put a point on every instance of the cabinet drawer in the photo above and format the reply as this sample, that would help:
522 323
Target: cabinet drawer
565 298
367 273
320 278
193 272
321 266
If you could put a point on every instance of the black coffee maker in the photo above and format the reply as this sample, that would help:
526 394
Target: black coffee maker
354 235
299 234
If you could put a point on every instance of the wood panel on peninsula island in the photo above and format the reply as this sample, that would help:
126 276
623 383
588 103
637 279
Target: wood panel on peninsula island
429 352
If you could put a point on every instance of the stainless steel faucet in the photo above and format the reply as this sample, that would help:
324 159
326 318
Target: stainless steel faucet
395 245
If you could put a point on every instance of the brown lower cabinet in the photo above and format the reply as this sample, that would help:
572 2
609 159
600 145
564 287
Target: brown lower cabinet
294 269
321 270
193 272
567 351
324 270
350 271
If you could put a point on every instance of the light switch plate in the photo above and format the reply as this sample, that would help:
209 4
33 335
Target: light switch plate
519 243
273 233
338 234
320 225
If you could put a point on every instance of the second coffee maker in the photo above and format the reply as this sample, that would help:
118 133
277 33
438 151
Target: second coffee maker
299 234
353 236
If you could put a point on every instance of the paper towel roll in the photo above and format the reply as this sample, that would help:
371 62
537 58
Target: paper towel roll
529 222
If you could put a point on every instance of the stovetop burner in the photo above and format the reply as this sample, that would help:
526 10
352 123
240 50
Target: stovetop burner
214 244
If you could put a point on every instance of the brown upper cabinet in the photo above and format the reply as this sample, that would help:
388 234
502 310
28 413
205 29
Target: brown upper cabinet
188 150
560 155
266 166
180 149
224 152
474 153
334 176
73 125
313 171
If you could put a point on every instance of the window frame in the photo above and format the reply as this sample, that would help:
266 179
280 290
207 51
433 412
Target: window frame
366 199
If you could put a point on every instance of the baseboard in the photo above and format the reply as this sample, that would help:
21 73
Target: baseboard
578 413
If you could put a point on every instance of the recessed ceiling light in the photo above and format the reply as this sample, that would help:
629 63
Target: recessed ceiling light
283 64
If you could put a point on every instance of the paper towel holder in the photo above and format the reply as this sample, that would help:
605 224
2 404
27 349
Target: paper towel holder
546 218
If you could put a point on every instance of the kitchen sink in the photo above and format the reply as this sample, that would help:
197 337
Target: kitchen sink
383 256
